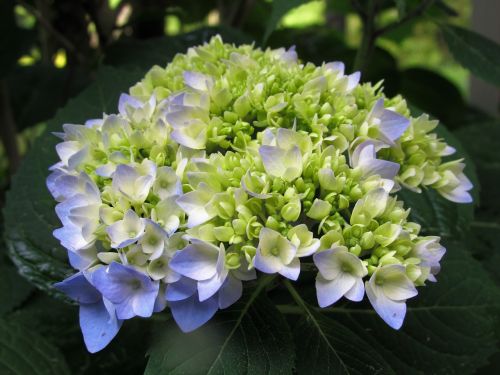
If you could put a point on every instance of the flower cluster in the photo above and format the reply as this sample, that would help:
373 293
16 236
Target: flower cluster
233 161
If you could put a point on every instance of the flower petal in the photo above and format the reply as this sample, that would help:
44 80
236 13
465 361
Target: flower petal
190 313
98 326
330 291
197 261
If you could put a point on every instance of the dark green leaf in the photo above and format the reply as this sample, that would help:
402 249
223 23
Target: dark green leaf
401 7
24 352
251 337
474 52
324 346
279 9
29 213
449 327
13 289
480 139
58 323
433 94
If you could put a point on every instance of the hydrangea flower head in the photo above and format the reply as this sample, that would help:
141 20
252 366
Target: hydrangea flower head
234 161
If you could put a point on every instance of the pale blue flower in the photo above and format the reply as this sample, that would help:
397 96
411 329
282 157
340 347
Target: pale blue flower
340 275
134 181
388 289
132 292
391 125
276 254
364 157
98 319
430 252
127 231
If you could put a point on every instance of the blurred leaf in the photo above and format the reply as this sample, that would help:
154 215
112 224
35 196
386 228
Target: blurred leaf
14 41
279 9
474 52
58 323
29 212
24 352
433 94
480 139
251 337
401 7
37 91
13 289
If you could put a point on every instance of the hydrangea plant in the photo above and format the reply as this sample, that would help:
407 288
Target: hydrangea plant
234 161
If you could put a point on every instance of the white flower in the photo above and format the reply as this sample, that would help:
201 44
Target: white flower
346 83
153 240
388 289
167 183
196 204
188 115
127 231
364 157
340 274
454 184
134 180
79 212
391 125
279 162
276 254
430 252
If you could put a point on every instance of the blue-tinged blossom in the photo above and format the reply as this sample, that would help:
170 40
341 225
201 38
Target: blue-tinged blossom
234 161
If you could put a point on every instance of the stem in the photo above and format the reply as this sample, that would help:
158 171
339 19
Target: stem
296 297
367 46
418 11
8 132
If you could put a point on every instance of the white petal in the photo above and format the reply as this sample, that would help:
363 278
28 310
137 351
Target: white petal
392 312
392 126
330 291
357 292
291 270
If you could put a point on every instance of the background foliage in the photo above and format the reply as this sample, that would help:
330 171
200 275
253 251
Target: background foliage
69 61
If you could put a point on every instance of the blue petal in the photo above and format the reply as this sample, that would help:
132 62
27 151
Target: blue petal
79 289
180 290
98 326
190 313
82 259
230 292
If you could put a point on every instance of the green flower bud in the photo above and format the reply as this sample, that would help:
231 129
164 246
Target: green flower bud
319 210
232 261
291 211
367 240
223 234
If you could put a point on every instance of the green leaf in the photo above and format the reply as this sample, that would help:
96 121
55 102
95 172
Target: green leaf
279 9
436 215
474 52
401 7
324 346
449 327
24 352
29 213
13 289
251 337
433 94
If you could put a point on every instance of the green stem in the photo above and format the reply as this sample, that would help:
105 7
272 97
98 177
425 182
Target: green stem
367 45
